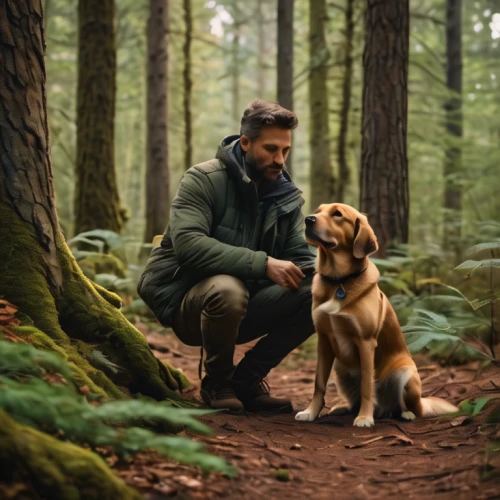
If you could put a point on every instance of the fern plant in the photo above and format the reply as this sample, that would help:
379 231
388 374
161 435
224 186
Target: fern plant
36 389
493 294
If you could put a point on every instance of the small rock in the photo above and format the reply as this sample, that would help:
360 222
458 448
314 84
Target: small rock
296 446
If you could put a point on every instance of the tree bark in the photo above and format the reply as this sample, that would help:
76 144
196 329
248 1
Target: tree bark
321 171
285 60
261 53
384 192
157 174
454 126
39 274
344 172
188 84
97 204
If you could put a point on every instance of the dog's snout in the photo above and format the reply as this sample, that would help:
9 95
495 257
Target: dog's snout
310 220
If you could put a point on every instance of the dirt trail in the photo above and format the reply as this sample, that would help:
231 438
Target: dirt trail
431 458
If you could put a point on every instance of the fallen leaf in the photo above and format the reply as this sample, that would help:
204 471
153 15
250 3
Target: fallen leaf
462 420
189 482
165 489
364 443
54 378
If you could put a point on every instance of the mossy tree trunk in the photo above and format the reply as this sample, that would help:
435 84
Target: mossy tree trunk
38 272
157 174
321 170
284 61
97 204
384 191
61 310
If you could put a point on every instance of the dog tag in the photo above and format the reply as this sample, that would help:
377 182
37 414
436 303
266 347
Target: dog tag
340 293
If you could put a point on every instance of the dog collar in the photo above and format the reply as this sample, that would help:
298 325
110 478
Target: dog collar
341 293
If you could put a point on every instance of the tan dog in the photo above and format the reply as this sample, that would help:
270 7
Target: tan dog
358 331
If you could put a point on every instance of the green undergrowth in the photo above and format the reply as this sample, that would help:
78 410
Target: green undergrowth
38 389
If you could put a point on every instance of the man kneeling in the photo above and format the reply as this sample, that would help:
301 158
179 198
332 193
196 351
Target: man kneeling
228 270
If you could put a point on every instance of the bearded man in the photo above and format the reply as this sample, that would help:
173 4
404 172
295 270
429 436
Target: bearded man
233 264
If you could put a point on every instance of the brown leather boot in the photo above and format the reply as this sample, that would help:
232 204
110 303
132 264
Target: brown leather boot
258 398
219 395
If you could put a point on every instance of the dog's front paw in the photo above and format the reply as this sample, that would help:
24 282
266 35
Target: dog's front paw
305 416
408 415
364 422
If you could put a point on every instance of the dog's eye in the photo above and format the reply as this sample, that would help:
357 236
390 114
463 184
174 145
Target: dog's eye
337 213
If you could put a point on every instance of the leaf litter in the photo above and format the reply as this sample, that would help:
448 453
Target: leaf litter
444 457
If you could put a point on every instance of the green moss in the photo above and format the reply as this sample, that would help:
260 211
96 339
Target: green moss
77 311
23 274
111 297
55 469
39 339
85 315
178 375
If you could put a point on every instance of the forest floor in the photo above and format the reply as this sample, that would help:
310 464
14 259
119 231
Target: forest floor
436 458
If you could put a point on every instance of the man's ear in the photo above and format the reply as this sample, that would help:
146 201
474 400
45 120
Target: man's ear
245 143
365 241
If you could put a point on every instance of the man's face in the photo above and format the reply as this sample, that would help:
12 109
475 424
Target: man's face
269 151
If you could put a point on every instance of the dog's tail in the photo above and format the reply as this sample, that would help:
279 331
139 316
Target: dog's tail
432 407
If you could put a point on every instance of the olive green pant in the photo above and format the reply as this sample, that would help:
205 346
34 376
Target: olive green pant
220 312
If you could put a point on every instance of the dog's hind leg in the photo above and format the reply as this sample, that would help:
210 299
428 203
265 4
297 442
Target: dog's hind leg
323 370
348 384
411 398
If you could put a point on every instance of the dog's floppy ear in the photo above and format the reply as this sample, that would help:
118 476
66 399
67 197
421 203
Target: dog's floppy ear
365 241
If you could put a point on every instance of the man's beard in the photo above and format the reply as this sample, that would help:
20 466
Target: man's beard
256 171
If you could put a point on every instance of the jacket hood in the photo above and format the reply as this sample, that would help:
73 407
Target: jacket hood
283 190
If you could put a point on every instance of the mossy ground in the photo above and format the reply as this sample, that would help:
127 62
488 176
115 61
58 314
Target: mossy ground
35 465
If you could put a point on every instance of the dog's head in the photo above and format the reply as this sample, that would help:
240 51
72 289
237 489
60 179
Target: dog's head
338 227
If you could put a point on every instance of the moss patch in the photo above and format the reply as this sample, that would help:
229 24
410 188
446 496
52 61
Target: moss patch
55 469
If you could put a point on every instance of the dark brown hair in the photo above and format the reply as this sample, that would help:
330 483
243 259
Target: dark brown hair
260 113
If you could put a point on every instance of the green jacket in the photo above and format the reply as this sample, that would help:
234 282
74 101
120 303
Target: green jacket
219 224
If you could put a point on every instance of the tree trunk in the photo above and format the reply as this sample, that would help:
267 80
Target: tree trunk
384 195
344 171
285 60
157 174
454 127
261 53
188 84
235 77
97 203
39 274
321 171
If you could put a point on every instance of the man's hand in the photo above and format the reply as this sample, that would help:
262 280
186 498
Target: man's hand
284 273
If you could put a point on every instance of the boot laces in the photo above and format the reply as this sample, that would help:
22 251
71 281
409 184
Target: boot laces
262 388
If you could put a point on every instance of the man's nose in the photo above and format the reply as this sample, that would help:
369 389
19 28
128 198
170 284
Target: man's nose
310 220
279 159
